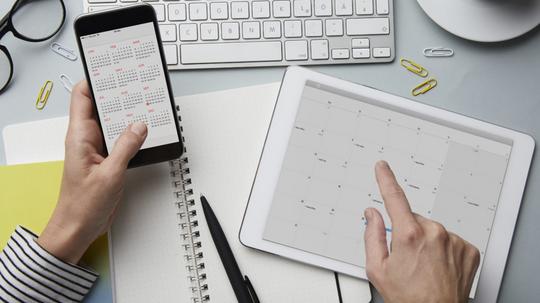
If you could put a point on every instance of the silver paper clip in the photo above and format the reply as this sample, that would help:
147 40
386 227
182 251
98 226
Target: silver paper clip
66 82
64 51
438 51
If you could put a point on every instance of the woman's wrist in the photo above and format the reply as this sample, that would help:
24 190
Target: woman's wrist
66 240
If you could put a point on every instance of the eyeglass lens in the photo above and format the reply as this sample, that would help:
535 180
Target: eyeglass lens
38 19
5 69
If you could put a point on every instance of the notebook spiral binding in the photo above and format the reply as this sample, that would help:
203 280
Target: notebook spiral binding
189 225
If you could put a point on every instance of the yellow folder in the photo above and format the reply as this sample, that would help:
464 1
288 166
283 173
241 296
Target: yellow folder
28 195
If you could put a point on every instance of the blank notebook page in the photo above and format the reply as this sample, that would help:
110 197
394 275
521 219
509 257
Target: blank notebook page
146 253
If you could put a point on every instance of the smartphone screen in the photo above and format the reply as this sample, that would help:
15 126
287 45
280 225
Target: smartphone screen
128 83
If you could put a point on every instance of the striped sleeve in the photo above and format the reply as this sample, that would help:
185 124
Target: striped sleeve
28 273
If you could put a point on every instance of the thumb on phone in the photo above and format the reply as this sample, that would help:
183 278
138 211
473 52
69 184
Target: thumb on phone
127 145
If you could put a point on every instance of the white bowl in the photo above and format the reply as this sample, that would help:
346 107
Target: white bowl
484 20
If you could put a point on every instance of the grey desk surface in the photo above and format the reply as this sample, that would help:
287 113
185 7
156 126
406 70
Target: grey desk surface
492 82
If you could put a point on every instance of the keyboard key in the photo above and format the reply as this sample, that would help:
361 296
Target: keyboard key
101 1
230 31
261 9
340 53
313 28
160 11
235 52
360 53
360 43
282 9
251 30
364 7
381 52
219 11
368 26
334 27
293 28
383 7
319 49
323 8
296 50
344 7
167 32
188 32
272 29
92 9
239 10
197 11
171 54
209 31
302 8
177 12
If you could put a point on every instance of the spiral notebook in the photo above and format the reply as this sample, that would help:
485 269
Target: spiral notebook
224 134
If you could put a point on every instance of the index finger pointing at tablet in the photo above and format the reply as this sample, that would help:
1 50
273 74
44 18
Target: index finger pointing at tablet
394 198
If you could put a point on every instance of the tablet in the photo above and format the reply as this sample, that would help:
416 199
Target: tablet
316 175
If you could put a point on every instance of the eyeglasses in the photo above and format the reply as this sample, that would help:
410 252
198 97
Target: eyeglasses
32 21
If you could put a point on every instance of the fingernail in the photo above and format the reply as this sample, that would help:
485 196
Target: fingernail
139 128
382 164
368 213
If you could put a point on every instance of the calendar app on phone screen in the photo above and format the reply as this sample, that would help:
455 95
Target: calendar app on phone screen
128 83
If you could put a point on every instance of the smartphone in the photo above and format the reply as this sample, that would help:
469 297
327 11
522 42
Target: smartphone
125 67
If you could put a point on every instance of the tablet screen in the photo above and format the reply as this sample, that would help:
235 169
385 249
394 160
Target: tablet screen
449 174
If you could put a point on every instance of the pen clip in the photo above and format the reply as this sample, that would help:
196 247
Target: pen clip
251 290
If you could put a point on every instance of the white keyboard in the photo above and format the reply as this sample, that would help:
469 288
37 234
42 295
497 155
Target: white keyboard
235 33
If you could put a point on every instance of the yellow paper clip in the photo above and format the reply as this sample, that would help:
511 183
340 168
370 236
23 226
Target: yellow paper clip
414 67
44 94
424 87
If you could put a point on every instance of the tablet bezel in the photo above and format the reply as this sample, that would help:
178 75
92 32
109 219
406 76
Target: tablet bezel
283 118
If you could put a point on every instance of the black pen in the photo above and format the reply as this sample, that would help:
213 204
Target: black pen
241 285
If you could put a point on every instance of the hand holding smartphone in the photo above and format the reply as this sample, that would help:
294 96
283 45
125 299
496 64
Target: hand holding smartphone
125 67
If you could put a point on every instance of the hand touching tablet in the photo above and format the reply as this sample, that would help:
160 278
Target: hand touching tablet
425 263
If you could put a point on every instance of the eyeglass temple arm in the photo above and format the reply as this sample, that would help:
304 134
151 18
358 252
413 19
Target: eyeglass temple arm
4 26
4 22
